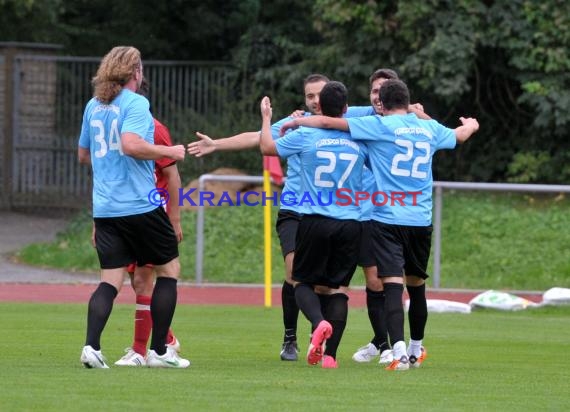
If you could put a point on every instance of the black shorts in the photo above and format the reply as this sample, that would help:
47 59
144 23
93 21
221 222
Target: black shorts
401 249
366 257
327 251
143 238
286 226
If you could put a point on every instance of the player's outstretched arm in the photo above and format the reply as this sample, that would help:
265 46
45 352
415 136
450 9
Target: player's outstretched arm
135 146
469 125
322 122
297 113
266 142
207 145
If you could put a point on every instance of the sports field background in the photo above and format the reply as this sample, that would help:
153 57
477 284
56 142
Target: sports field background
486 360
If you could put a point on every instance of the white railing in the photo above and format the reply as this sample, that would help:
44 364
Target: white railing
437 211
500 187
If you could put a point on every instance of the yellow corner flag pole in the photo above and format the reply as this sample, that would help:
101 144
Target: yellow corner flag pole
267 238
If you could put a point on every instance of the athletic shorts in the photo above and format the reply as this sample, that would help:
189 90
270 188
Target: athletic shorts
286 226
144 238
327 251
366 257
401 249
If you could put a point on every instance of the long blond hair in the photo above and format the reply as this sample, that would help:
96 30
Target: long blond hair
116 69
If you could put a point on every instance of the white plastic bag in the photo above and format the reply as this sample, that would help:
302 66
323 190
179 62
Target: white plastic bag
556 296
493 299
441 306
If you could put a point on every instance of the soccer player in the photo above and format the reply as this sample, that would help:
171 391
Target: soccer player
401 148
142 277
328 236
289 214
378 345
117 136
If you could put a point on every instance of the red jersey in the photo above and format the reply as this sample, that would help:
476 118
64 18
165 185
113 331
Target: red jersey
162 137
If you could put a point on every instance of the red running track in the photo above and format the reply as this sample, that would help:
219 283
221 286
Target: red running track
196 295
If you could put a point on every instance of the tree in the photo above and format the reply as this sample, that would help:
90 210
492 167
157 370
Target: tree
504 62
30 21
175 29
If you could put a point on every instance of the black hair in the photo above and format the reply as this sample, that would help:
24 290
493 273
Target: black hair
313 78
333 99
383 74
394 94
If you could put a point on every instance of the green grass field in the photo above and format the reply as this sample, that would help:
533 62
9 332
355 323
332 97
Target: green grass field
484 361
489 241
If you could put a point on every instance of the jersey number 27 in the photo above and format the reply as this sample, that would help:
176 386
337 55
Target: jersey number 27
320 181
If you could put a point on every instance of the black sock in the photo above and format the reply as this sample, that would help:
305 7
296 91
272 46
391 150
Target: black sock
336 315
377 315
324 300
162 306
290 312
309 303
100 306
417 314
394 311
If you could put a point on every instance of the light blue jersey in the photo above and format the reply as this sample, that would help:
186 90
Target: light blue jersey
368 180
292 184
330 162
121 184
359 111
401 148
369 186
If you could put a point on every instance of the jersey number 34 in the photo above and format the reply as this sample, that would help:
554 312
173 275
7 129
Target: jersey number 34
114 137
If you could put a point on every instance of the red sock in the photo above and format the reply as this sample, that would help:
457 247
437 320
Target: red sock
170 338
143 324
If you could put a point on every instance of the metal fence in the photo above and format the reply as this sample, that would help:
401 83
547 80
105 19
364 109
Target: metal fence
500 187
439 188
41 114
3 145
